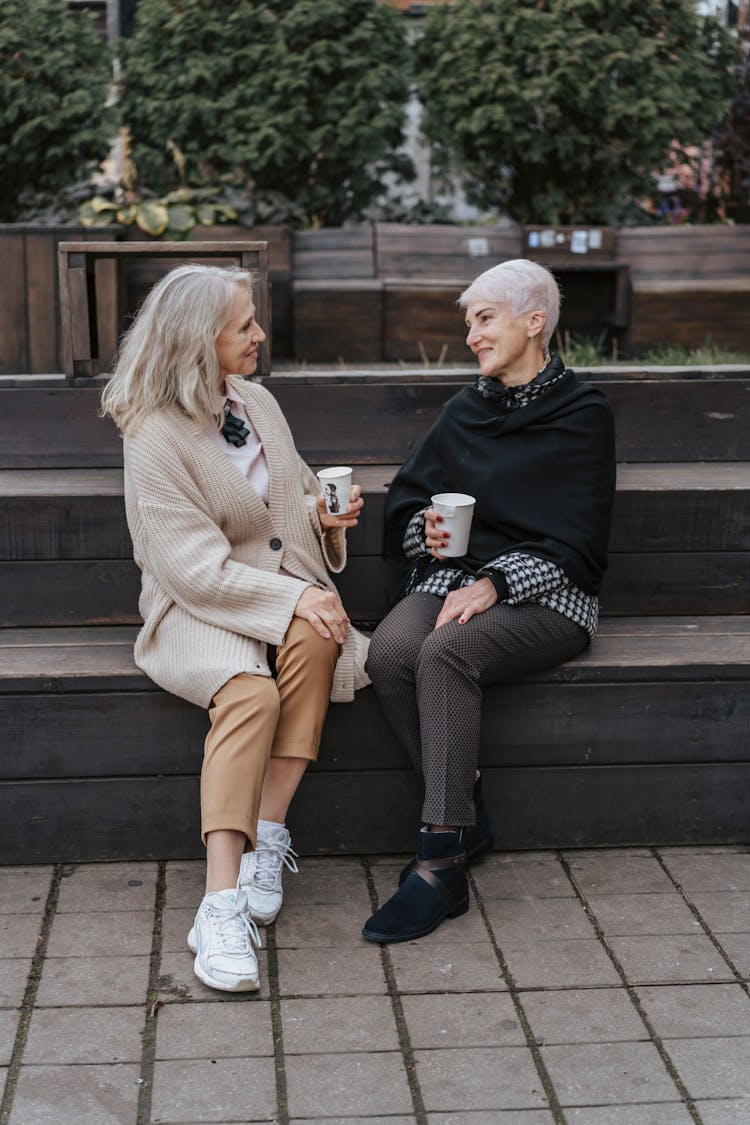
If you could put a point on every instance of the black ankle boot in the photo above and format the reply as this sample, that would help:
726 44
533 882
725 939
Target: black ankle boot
436 888
477 837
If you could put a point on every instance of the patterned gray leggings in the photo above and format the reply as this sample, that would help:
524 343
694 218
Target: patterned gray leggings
429 683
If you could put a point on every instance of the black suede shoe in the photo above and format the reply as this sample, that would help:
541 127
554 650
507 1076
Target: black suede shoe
477 837
435 889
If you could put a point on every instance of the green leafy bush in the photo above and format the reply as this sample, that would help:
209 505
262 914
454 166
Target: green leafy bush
302 97
55 74
562 110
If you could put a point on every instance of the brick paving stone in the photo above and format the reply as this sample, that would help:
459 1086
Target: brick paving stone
670 959
724 912
692 1011
475 1019
177 981
18 934
108 886
696 872
559 964
604 873
724 1111
342 1023
737 948
446 968
608 1074
186 882
515 921
586 1015
198 1090
175 926
201 1030
379 1120
85 1035
14 974
24 890
667 1113
8 1028
76 1095
498 1117
713 1068
486 1078
322 882
87 981
323 972
724 872
353 1082
522 876
125 933
319 927
643 914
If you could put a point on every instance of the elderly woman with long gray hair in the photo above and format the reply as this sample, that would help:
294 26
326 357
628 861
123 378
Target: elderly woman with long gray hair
232 536
535 447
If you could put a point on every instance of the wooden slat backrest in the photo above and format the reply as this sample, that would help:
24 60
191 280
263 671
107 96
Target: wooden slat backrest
339 252
78 291
667 252
438 251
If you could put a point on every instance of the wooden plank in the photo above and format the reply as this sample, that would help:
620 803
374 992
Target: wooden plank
690 319
85 592
676 583
668 419
523 724
333 253
123 818
13 328
42 301
83 344
439 250
346 325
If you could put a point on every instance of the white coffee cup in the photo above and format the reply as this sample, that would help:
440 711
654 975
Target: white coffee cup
457 510
337 485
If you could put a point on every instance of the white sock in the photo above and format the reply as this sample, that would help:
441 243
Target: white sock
265 827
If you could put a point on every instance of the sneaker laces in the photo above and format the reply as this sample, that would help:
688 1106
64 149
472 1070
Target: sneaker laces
270 856
234 926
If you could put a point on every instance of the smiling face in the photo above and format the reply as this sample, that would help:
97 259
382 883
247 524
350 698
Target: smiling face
238 342
508 347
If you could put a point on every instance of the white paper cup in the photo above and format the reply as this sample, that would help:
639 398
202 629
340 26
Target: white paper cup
337 485
457 510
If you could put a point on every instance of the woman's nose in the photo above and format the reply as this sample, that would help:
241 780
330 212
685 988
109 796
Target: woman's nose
259 334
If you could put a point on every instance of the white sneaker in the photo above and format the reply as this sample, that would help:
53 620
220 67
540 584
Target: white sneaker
222 938
261 871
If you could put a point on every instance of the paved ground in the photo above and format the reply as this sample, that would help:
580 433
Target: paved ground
592 988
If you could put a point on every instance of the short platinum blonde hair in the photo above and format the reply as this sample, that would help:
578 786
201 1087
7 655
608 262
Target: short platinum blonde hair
167 358
525 286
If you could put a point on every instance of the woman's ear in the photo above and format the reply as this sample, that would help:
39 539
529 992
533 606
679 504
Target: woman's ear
536 322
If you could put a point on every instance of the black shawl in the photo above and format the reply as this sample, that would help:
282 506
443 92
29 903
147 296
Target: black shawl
543 476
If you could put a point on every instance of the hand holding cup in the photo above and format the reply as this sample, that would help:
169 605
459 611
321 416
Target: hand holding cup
340 503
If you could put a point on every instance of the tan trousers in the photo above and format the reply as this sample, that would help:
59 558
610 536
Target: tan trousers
254 718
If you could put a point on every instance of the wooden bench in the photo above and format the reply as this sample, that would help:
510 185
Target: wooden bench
642 739
688 290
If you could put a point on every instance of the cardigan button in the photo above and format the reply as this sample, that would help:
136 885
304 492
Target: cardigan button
275 544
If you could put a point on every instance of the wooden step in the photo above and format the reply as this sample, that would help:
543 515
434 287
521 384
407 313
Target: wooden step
679 545
679 417
642 739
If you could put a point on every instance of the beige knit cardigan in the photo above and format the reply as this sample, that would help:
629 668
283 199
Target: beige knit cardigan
212 596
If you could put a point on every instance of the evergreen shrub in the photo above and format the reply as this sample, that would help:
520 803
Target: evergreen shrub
561 111
300 97
55 74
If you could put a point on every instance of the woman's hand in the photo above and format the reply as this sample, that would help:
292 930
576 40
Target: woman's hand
349 518
464 603
324 611
434 537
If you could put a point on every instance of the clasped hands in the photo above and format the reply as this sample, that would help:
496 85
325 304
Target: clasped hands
469 600
323 608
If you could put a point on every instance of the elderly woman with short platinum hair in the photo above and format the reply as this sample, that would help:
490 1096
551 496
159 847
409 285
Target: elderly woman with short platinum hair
232 536
535 447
